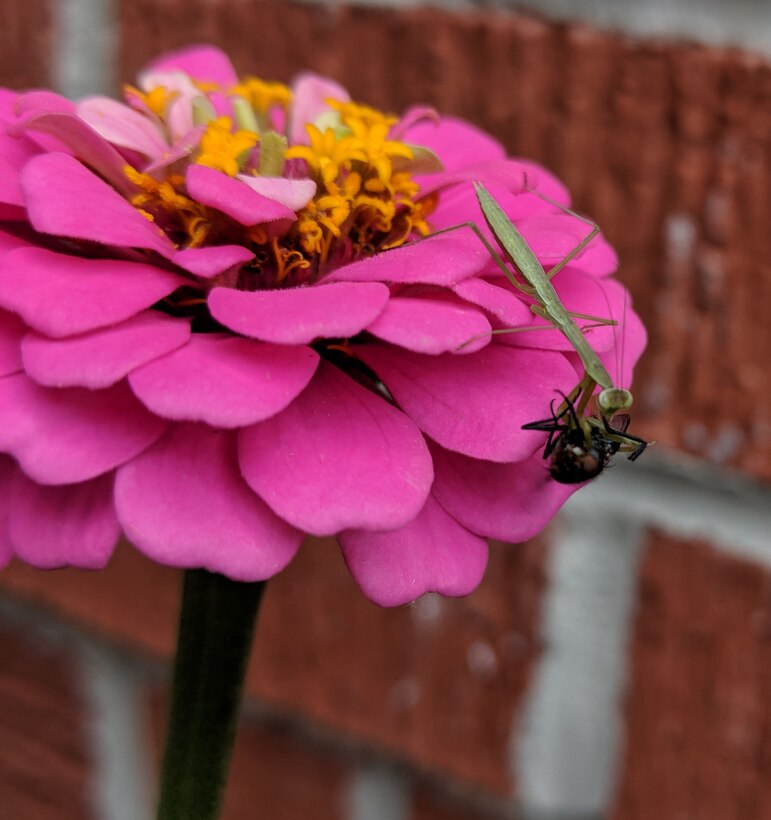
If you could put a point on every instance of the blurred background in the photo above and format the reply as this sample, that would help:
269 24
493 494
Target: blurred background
617 667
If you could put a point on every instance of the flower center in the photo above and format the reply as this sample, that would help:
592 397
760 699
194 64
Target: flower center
365 197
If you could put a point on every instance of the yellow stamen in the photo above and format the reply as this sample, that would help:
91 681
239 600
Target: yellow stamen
157 99
222 148
262 95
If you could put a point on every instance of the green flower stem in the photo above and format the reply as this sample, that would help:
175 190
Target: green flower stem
216 625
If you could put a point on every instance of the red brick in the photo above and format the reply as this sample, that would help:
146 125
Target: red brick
697 713
277 772
437 683
44 764
25 44
134 601
431 804
642 132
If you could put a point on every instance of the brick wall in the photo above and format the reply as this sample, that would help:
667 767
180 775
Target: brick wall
614 668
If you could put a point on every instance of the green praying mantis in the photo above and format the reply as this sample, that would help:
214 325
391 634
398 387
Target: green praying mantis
579 446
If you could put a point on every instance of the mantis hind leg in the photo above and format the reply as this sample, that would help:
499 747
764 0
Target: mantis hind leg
626 440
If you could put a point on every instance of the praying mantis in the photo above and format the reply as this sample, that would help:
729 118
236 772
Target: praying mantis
579 446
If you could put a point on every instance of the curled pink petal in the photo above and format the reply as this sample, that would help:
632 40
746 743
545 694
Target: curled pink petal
211 261
471 404
233 197
102 357
68 436
122 126
63 295
299 315
338 457
71 525
204 63
41 101
413 116
509 502
75 136
433 553
311 93
12 330
440 260
292 193
82 206
431 326
183 502
508 174
224 381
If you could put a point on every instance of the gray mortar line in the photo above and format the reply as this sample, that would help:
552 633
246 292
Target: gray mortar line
85 47
565 742
378 792
118 734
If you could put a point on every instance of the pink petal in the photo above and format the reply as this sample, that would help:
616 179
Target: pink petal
509 502
17 150
75 136
183 502
309 102
204 63
510 175
338 457
413 116
8 470
10 242
184 145
552 237
432 553
63 295
454 141
440 260
43 102
12 213
224 381
474 404
102 357
211 261
12 329
544 182
10 189
292 193
122 126
431 326
233 197
66 199
299 315
499 300
8 101
72 525
179 114
68 436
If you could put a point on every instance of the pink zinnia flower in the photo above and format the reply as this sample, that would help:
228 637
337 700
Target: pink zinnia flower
220 330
